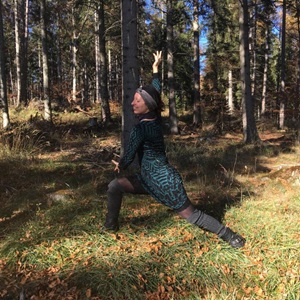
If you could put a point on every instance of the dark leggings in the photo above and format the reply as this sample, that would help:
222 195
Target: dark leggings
131 185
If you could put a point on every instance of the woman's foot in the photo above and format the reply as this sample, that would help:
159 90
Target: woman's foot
233 239
110 225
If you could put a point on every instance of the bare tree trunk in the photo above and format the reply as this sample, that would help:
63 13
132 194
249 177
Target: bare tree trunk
130 75
172 101
230 93
110 72
18 47
297 101
11 79
3 87
265 75
252 45
19 14
40 74
85 92
249 125
74 58
58 59
106 117
197 115
282 73
46 97
97 57
118 79
24 82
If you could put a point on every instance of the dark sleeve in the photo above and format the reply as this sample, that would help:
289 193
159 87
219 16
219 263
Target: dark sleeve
156 82
136 139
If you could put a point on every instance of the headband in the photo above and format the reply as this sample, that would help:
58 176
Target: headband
149 101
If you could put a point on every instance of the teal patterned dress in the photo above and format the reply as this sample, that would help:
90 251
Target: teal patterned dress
161 180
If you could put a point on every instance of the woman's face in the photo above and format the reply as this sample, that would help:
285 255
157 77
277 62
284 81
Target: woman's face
138 105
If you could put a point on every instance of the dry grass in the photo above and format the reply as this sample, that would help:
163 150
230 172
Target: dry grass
52 209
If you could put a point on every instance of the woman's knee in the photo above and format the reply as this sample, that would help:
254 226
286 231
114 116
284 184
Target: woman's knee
186 210
115 186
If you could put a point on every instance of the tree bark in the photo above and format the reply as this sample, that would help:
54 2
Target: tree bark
104 95
59 68
97 57
3 87
74 57
282 73
20 9
24 98
265 75
172 101
46 97
197 115
253 48
297 101
249 125
230 93
130 75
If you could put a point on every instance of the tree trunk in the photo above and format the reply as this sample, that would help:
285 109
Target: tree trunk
282 73
297 101
104 95
110 72
21 45
74 58
197 115
265 75
97 57
40 74
172 101
24 82
230 93
46 97
59 68
85 92
18 47
249 125
253 49
3 87
130 75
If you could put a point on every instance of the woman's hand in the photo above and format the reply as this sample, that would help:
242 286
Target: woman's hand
157 61
116 169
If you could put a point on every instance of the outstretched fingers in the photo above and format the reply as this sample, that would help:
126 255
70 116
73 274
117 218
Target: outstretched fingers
157 60
157 57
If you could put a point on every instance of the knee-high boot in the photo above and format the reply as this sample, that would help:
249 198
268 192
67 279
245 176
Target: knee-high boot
211 224
114 201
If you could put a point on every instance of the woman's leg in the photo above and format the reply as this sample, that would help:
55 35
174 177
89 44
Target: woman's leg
201 219
115 191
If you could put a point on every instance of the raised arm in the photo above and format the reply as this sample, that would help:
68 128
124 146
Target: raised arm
157 61
155 78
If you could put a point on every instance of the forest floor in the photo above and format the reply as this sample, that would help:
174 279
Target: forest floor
52 196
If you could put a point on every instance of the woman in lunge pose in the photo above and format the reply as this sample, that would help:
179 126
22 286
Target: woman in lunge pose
157 177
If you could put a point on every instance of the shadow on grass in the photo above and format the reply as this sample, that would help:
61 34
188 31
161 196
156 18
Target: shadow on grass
26 183
26 187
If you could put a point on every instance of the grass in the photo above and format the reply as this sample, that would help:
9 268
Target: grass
53 206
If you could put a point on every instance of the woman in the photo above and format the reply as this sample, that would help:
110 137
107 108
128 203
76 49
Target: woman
157 177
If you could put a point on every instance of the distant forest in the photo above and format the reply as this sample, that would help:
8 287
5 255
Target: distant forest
71 54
